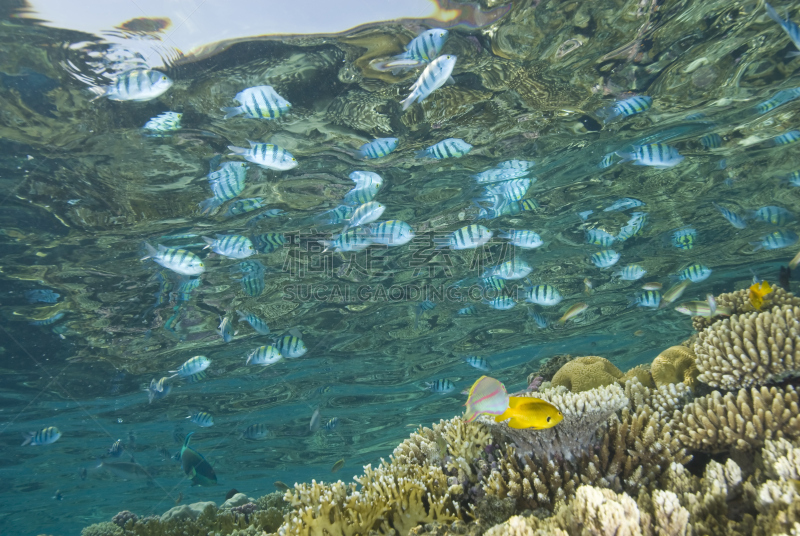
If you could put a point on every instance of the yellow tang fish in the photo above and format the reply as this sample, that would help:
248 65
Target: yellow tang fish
757 293
529 412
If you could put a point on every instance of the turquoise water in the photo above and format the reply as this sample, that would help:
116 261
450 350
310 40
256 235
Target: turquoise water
82 187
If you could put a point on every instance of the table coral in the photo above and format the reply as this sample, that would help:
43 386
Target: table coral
585 373
750 349
676 364
744 419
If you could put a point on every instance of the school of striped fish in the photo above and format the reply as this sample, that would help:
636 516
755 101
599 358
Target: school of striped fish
424 234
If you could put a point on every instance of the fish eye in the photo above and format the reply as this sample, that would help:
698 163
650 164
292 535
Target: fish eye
163 78
548 419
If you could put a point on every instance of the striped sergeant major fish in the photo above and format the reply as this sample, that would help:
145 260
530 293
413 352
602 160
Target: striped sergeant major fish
657 155
352 240
243 206
138 85
781 97
599 237
331 424
231 246
291 346
694 273
255 322
774 215
786 138
363 179
684 238
541 320
509 270
449 148
648 298
202 419
364 214
791 29
498 174
264 355
360 196
377 148
225 329
775 240
166 122
267 214
226 183
605 258
391 233
711 141
116 450
440 386
45 436
426 46
632 272
194 365
625 108
468 310
253 283
260 102
793 179
479 363
266 155
269 242
178 260
523 239
513 190
255 432
468 237
501 303
733 218
546 295
435 75
624 204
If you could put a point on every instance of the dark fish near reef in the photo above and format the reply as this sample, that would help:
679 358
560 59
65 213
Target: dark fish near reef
280 486
784 277
231 493
195 466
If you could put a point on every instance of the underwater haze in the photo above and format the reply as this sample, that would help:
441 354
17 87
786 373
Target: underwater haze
244 267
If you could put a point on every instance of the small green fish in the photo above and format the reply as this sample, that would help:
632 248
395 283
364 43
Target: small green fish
338 465
195 466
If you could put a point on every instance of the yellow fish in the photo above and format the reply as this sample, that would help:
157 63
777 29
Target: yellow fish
757 293
529 412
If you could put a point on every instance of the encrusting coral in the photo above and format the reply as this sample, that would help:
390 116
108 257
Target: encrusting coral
676 364
739 303
750 349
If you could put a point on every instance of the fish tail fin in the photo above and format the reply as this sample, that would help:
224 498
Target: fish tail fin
98 91
674 278
773 14
208 242
28 438
408 101
242 316
632 301
607 114
470 415
326 243
626 157
231 111
186 439
209 204
361 154
420 154
237 150
757 245
151 251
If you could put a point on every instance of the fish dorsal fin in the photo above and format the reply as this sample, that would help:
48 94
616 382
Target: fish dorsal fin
186 440
519 401
474 385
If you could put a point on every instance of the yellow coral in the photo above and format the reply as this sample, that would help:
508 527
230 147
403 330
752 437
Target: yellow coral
676 364
641 373
585 373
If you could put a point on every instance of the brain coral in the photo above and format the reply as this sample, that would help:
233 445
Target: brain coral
676 364
585 373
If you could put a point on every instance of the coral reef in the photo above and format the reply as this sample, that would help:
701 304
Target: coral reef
739 302
549 367
585 373
750 348
676 364
744 419
615 465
